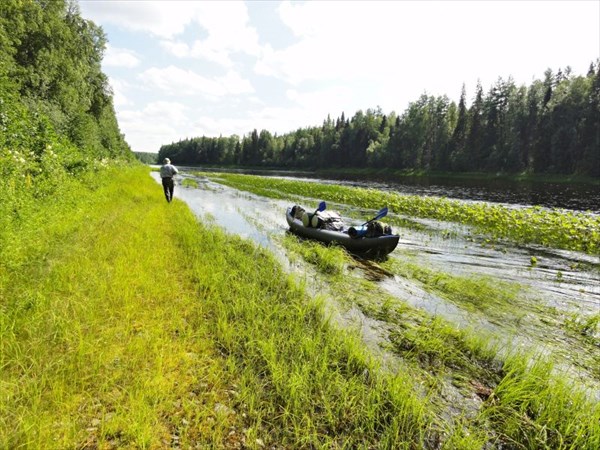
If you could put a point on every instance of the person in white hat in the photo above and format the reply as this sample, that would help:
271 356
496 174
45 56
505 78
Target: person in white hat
167 171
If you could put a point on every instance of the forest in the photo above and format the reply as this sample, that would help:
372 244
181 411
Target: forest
57 118
549 127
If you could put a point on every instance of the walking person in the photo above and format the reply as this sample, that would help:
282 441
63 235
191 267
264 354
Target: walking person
167 171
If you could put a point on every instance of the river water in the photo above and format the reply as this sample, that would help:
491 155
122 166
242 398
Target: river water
562 285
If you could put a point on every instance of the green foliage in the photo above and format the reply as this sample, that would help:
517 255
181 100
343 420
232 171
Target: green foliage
531 407
146 157
56 115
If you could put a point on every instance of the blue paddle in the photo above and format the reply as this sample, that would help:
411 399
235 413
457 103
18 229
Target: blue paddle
360 231
321 207
382 213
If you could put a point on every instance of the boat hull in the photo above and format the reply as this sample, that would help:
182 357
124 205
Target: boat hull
380 246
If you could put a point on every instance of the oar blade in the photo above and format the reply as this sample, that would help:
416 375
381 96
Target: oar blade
382 213
322 206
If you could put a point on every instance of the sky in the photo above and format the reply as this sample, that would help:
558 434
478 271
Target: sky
184 69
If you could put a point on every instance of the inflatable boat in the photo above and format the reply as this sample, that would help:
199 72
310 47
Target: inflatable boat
379 245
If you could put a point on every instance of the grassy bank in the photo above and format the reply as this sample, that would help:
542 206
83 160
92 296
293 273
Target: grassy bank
127 324
553 228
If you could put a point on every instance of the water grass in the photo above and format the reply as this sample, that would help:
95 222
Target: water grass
467 375
532 409
492 298
548 227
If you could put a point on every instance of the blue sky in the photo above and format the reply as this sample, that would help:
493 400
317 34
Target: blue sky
182 69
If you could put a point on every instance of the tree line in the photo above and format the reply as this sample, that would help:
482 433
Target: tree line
549 127
145 157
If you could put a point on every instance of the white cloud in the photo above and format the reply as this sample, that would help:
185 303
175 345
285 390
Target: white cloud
344 56
274 119
211 52
430 45
235 84
169 112
179 49
120 57
175 81
228 32
157 124
119 87
160 18
226 25
318 104
337 41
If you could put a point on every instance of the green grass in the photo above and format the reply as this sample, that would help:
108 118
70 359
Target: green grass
531 409
189 183
125 323
329 261
494 299
100 343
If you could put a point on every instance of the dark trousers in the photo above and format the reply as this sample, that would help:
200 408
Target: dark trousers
168 187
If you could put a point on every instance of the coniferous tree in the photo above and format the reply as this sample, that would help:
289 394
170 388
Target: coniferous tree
475 133
550 126
457 146
589 163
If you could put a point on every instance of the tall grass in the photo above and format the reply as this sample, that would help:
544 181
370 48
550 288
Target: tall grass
531 410
100 344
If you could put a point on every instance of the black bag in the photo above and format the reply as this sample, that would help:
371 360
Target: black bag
376 229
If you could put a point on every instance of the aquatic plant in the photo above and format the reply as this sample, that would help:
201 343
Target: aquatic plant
554 228
496 389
